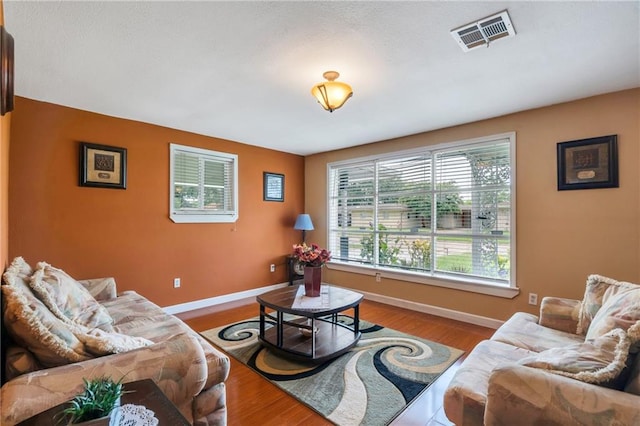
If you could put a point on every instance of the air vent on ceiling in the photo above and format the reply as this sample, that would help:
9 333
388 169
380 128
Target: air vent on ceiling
484 31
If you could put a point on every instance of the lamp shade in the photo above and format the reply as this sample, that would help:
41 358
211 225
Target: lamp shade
303 222
331 94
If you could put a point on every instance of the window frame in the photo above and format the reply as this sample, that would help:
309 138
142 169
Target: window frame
203 215
436 278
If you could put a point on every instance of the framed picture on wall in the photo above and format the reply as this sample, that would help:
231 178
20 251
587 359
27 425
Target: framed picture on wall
588 163
273 187
6 71
103 166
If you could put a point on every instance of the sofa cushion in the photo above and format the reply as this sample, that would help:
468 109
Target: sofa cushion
598 290
18 361
17 275
20 268
600 360
53 340
560 313
633 382
523 331
34 327
135 315
68 299
622 310
100 342
525 396
466 395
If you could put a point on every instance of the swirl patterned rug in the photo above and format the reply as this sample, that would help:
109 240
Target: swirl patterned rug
369 385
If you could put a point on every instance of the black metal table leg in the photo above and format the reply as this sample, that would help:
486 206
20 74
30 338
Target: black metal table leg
356 319
280 329
313 337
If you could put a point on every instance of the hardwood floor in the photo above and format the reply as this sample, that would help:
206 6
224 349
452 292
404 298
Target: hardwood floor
253 400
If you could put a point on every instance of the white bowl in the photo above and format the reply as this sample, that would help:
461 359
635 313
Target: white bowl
306 332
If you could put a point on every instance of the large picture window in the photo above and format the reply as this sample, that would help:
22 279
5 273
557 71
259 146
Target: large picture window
444 211
204 185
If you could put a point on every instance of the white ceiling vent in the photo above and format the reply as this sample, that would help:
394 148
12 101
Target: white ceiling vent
484 31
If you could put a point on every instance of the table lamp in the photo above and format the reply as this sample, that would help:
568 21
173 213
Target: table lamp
303 222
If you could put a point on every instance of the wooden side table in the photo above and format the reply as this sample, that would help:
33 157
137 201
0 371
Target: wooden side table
142 392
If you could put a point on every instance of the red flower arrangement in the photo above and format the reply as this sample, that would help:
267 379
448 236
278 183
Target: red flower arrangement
311 255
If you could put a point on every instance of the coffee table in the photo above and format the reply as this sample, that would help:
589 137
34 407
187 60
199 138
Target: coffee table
292 336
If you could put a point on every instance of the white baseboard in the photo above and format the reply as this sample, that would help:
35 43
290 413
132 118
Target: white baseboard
401 303
434 310
218 300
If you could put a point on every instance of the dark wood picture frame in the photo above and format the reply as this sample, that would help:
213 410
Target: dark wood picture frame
273 186
103 166
6 71
588 163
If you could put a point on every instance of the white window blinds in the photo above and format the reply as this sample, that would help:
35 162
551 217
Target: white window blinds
444 211
203 185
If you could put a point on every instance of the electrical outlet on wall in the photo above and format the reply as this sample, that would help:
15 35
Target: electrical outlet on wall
533 299
272 268
176 283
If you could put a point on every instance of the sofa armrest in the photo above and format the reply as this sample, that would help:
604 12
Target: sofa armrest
19 360
529 396
101 288
560 314
177 366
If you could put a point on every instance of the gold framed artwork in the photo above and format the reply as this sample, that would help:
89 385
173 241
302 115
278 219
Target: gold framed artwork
103 166
588 163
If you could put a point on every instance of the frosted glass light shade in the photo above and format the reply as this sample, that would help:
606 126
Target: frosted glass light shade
331 94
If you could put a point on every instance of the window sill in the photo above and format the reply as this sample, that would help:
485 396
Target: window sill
203 218
471 286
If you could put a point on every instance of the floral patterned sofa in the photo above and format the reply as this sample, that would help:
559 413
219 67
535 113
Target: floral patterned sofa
63 330
574 364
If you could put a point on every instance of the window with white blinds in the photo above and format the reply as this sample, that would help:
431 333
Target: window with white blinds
444 211
204 185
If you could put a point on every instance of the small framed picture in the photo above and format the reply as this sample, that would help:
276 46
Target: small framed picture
6 71
588 163
273 187
103 166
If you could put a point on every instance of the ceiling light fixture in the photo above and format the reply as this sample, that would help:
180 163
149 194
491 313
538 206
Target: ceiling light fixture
331 94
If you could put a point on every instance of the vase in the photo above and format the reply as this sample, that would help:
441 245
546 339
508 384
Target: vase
312 280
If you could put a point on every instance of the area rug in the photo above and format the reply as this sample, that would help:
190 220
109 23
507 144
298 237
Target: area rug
369 385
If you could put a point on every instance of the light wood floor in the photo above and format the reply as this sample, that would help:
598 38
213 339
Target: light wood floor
253 400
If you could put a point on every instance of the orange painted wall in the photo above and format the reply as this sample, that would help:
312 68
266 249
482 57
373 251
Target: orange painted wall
562 236
127 234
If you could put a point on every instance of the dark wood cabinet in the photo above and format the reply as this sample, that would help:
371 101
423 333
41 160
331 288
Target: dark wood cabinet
294 271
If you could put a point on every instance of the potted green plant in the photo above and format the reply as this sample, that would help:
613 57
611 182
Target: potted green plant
98 404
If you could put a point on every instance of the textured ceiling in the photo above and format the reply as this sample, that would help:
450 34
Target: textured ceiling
243 70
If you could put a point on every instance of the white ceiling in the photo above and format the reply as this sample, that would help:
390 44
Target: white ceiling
243 70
